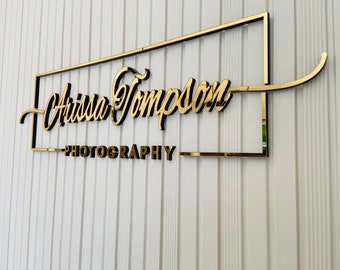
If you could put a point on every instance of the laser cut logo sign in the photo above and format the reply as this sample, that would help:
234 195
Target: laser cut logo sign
125 99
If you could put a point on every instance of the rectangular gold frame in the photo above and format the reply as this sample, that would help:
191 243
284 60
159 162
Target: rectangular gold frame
254 18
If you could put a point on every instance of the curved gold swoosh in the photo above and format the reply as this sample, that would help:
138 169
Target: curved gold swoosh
281 86
27 112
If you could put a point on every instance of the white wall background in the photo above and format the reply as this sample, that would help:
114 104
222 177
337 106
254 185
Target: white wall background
277 213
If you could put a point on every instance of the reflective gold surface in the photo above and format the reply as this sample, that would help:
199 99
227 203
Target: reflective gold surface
283 86
64 109
261 16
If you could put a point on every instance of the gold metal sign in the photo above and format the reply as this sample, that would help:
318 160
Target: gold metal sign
127 99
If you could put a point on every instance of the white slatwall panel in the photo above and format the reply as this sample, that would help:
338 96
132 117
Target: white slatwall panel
230 182
282 184
3 240
188 185
334 98
254 171
283 212
208 141
314 145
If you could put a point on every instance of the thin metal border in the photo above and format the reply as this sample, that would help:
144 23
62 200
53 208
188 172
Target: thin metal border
266 78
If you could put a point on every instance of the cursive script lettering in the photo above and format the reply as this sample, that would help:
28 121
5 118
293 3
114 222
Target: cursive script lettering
164 103
147 103
65 110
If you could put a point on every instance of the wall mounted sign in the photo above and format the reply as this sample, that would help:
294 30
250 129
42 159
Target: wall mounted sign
126 99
